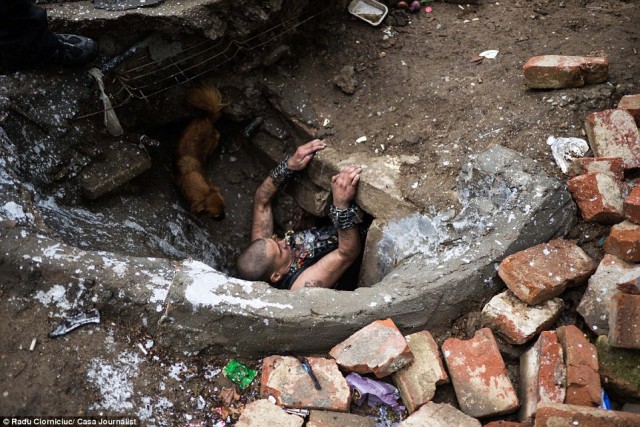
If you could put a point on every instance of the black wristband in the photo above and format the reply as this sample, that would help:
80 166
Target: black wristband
344 219
281 174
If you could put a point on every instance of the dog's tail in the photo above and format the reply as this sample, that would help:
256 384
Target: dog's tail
207 99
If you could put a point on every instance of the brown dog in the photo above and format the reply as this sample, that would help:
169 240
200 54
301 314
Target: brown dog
197 142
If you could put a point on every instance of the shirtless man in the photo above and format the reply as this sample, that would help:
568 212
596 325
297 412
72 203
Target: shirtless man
311 258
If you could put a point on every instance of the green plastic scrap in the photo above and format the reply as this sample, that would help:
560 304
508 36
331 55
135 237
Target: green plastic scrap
239 373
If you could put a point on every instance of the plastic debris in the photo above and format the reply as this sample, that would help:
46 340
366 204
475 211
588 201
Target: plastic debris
307 367
75 321
239 373
361 139
375 392
370 11
299 412
33 344
565 150
489 54
606 403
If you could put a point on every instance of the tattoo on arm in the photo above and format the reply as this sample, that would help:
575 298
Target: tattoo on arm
313 284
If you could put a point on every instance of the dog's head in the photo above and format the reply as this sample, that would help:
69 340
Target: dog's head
212 204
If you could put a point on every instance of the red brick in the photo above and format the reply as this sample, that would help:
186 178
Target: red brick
261 413
543 375
613 133
439 415
594 305
544 271
631 103
479 375
336 419
624 321
624 241
613 166
417 382
285 379
581 358
556 71
378 348
598 196
559 415
515 320
632 205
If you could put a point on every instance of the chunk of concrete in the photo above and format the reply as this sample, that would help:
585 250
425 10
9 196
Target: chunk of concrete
614 133
624 241
556 415
544 271
581 358
289 383
613 166
439 415
558 71
261 413
624 321
599 197
417 382
516 321
594 305
479 375
543 375
632 205
378 348
619 370
338 419
120 165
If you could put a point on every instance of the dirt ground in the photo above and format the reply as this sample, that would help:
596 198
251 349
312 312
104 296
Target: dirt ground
421 90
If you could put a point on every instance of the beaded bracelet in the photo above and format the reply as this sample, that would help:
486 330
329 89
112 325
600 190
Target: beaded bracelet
281 174
344 219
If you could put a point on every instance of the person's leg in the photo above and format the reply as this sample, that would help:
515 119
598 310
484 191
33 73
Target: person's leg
27 42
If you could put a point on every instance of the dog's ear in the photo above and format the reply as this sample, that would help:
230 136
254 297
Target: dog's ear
198 206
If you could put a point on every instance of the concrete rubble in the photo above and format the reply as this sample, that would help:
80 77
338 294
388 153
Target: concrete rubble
262 412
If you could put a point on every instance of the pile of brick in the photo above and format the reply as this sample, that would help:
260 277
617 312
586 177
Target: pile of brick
562 373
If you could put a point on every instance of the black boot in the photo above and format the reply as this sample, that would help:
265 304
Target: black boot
75 51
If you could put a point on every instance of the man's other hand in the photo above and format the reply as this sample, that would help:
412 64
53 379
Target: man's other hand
304 154
344 185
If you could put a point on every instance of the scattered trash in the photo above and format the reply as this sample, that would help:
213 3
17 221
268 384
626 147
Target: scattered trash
489 54
307 367
376 392
252 127
369 11
239 373
564 150
361 139
75 321
142 349
33 344
601 240
428 9
414 6
299 412
606 403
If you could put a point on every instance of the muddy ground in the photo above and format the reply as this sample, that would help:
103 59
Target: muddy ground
421 90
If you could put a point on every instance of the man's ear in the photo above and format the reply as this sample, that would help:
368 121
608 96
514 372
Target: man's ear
275 276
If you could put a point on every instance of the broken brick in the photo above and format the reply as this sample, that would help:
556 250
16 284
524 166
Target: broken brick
556 414
543 375
285 379
378 348
613 133
631 103
417 382
337 419
261 413
598 196
544 271
613 166
631 205
624 321
619 370
581 359
558 71
594 305
439 415
624 241
516 321
479 375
